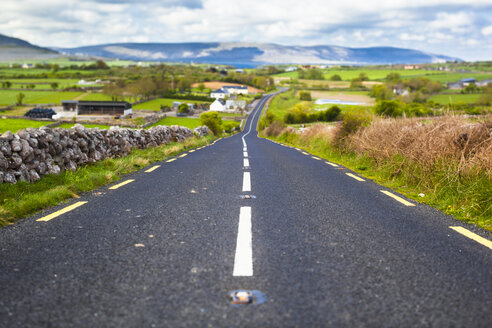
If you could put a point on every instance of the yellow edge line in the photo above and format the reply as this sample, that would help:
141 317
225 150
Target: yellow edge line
303 152
171 160
401 200
332 164
121 184
183 155
473 236
60 212
355 177
191 151
316 158
153 168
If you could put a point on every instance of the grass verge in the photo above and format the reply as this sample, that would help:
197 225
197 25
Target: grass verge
23 199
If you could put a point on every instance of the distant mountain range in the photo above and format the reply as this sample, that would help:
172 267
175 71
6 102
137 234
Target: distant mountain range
17 49
231 53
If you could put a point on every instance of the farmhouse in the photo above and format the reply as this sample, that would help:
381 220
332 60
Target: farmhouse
121 108
236 89
220 93
219 105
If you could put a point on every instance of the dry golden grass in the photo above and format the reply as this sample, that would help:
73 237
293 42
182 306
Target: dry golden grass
442 140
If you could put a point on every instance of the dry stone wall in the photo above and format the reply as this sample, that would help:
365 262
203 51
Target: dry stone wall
32 153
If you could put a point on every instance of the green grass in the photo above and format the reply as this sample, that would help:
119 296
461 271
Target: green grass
42 83
182 121
155 104
456 98
70 125
97 96
467 198
282 103
8 97
14 125
23 199
380 74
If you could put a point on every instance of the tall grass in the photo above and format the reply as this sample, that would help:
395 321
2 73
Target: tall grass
445 162
23 198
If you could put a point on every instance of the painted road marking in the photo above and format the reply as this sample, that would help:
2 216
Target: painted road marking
171 160
183 155
191 151
243 260
471 235
246 162
316 158
303 152
121 184
153 169
245 153
60 212
355 177
245 149
332 164
246 181
401 200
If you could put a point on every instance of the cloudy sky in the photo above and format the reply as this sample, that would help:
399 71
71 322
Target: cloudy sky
460 28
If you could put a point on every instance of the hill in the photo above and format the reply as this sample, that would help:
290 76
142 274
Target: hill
14 48
254 54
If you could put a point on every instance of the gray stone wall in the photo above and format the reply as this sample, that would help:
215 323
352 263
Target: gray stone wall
32 153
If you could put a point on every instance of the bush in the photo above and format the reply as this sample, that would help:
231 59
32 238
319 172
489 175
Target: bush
183 109
352 122
389 108
229 126
335 77
305 95
213 121
275 129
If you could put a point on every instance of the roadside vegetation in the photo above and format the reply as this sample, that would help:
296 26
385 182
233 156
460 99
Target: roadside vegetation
23 199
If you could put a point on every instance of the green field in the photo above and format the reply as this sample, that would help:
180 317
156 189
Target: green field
380 74
8 97
182 121
456 98
155 104
14 125
41 84
90 126
97 96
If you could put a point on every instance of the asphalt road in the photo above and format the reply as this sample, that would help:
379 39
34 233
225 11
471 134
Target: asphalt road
165 250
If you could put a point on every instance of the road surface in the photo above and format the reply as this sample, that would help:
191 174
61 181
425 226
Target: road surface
165 246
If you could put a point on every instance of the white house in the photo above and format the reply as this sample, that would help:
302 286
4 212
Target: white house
236 89
235 105
219 105
220 93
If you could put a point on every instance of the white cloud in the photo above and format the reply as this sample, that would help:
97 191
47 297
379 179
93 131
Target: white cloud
487 31
443 26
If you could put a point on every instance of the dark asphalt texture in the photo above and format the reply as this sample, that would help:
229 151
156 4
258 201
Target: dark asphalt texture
328 251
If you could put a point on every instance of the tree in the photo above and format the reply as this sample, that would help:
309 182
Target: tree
54 85
201 87
363 77
6 84
381 92
114 91
393 77
335 77
20 98
100 64
356 83
213 121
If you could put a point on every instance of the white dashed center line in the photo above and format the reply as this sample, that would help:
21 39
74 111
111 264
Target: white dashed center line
245 154
246 181
246 162
243 260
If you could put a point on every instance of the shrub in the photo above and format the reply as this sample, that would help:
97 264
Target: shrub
335 77
183 109
229 126
275 129
352 122
213 121
305 95
389 108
